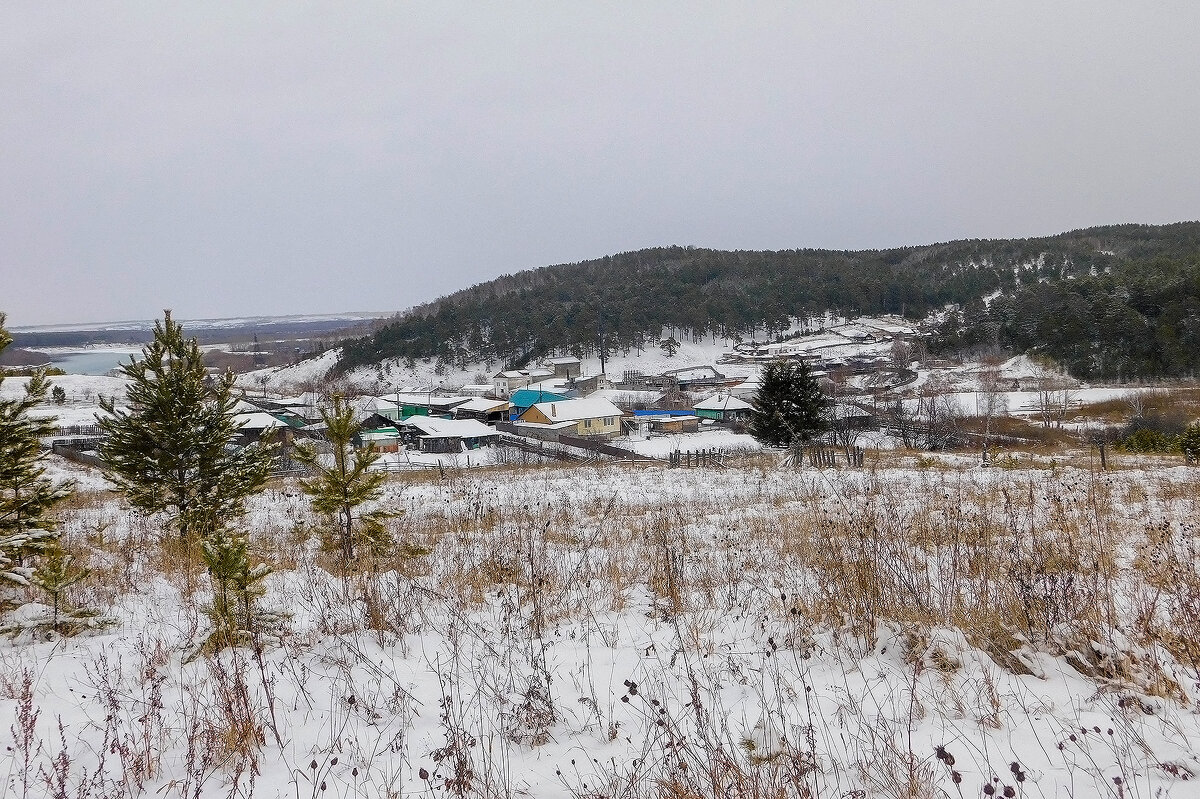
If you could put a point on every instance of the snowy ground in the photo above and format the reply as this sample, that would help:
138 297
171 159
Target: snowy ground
600 631
607 631
660 446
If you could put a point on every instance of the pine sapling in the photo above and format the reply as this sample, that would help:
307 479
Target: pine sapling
343 482
237 585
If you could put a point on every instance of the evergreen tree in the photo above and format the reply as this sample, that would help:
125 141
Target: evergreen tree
343 482
1189 443
55 573
237 584
789 406
170 450
26 494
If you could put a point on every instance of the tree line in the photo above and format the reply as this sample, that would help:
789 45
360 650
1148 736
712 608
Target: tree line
624 302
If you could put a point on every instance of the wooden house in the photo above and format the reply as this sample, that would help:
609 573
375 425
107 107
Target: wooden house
431 434
724 408
579 417
483 410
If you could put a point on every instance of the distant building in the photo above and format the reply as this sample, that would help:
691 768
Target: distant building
385 439
483 410
565 367
526 398
510 380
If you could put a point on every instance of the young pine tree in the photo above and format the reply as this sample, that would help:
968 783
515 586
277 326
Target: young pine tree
169 449
789 407
342 483
26 494
237 585
1189 443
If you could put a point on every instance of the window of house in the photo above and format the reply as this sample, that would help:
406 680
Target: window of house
587 422
608 420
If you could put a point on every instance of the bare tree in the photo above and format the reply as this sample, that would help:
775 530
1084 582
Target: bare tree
844 428
991 402
1054 399
901 422
938 415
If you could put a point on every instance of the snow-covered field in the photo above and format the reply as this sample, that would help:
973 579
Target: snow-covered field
921 627
907 629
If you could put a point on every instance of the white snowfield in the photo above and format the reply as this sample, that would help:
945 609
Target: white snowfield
605 631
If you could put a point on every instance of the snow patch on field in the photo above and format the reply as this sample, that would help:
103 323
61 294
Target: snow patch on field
583 678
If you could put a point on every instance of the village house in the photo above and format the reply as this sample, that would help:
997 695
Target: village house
557 385
852 416
402 405
525 398
565 367
254 425
586 418
508 381
430 434
724 408
586 384
483 410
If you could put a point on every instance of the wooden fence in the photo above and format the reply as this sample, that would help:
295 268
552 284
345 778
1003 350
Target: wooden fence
540 449
704 457
604 448
823 457
79 430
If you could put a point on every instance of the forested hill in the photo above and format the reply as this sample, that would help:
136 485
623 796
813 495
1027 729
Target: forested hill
1107 301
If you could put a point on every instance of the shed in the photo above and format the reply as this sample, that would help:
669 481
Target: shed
673 423
385 439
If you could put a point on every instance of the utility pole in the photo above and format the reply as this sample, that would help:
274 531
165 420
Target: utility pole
601 336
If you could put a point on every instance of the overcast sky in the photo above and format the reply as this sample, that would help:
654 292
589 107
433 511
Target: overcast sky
228 159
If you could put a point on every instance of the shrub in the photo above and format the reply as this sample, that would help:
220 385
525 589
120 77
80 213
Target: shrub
1189 443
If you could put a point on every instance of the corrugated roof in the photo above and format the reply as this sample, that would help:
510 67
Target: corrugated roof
723 402
527 397
482 405
449 428
576 409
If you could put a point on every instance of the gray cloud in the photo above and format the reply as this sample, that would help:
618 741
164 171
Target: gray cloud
301 157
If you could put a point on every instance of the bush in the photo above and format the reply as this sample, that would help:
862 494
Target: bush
1189 443
1148 440
1159 433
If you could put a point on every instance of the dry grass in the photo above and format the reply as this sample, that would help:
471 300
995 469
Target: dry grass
1048 555
1182 399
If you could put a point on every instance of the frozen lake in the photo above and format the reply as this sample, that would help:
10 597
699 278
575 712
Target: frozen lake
89 361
